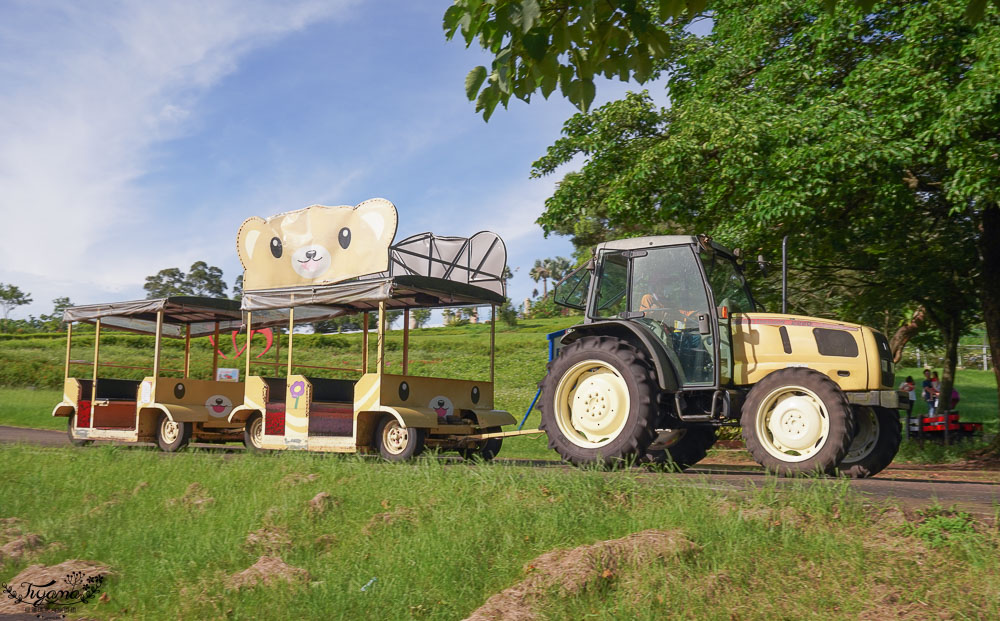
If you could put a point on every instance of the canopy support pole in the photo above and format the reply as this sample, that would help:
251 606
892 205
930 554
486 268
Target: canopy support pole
187 352
215 352
291 329
406 340
69 342
97 359
159 343
493 339
249 326
380 355
364 344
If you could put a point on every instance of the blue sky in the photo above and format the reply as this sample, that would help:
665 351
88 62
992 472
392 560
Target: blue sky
137 136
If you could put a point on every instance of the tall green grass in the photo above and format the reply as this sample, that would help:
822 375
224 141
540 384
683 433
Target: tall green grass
461 533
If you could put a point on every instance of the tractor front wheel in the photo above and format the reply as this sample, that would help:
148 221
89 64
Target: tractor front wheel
797 421
876 441
598 401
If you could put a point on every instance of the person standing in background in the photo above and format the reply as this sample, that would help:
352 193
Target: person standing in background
929 393
911 392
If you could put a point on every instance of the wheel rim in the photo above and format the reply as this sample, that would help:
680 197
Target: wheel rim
792 423
257 432
866 437
591 404
169 431
395 438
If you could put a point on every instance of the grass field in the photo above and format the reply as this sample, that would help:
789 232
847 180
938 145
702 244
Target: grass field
457 352
434 541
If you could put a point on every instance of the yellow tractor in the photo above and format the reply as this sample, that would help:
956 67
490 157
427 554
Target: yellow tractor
673 347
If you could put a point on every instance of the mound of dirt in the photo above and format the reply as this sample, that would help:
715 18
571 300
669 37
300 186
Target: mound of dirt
14 542
570 571
295 478
195 497
389 517
320 502
270 539
40 587
267 570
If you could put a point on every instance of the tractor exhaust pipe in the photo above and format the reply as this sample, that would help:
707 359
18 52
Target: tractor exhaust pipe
784 275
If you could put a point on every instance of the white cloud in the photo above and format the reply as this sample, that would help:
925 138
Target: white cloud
89 91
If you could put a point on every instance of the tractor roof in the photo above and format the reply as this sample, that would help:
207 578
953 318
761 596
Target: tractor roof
653 241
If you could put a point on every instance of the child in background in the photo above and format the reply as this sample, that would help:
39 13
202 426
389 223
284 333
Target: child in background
911 391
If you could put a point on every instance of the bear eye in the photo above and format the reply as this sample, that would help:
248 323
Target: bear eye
179 391
475 394
404 391
344 238
276 247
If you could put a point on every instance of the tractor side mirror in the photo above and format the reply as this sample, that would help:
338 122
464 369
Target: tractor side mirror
703 326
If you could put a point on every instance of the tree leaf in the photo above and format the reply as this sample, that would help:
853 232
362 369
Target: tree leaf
529 14
473 81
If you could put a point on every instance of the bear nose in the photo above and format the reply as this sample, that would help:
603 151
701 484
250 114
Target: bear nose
218 401
310 254
440 403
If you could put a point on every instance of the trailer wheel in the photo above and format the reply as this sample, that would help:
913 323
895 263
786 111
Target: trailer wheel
682 448
486 450
172 436
398 443
253 433
876 442
70 427
598 401
797 421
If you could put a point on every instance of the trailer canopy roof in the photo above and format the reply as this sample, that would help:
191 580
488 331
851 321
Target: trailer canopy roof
398 292
201 313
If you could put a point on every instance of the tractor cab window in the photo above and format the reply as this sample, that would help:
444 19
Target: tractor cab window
611 299
668 290
727 283
572 291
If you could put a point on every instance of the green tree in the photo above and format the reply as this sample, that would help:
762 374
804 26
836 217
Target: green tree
344 323
541 272
869 137
201 279
238 288
421 316
54 322
540 45
10 298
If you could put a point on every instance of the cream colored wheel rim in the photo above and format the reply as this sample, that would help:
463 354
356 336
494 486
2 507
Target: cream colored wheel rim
792 423
866 437
169 431
257 432
591 404
394 437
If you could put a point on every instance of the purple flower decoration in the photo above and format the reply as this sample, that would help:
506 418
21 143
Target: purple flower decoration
298 389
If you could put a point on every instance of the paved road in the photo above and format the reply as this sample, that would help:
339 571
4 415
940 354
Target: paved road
898 485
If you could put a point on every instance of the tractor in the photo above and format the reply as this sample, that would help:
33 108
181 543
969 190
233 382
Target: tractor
674 347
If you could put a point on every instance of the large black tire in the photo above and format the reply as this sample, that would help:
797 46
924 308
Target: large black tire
690 447
876 442
599 376
797 421
485 450
398 443
253 433
171 440
70 426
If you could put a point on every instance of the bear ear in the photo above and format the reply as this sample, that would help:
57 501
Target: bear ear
246 241
380 215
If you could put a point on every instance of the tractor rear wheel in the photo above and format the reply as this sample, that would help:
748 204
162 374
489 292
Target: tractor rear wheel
682 447
797 421
876 441
598 401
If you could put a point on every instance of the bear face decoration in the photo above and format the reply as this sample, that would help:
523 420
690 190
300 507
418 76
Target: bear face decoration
316 245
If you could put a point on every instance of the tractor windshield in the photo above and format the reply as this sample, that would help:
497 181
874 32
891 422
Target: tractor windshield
727 283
